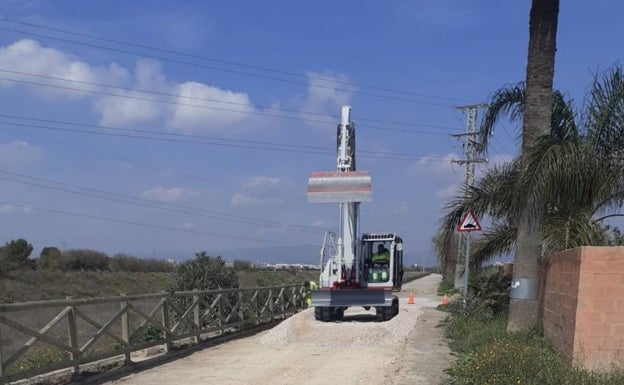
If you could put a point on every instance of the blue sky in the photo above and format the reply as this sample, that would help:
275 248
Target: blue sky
164 128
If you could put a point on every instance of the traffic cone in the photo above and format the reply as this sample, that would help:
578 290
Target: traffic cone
410 300
445 300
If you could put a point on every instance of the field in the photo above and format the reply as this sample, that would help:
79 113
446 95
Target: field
33 285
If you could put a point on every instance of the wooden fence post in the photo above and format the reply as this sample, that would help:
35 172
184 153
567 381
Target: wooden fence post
241 313
73 337
125 327
1 356
196 317
165 321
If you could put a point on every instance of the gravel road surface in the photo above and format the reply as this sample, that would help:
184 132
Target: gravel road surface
409 349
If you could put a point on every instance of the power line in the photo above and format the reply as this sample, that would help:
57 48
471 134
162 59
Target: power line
247 112
182 209
226 70
178 96
196 139
141 224
228 62
92 151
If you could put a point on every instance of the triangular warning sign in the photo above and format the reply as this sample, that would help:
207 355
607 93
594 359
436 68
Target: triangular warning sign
469 223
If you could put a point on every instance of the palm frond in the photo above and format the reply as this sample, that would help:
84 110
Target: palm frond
563 124
575 228
496 240
604 113
507 101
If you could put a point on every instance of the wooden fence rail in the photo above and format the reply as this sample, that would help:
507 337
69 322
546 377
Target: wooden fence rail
76 334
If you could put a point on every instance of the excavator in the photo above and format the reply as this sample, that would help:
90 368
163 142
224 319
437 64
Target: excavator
351 274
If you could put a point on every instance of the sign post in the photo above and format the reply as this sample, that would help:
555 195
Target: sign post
468 224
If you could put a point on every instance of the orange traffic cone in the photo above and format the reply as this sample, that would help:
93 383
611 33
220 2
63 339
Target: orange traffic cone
410 300
445 300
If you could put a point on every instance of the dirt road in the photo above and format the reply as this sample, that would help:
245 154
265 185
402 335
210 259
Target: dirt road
408 349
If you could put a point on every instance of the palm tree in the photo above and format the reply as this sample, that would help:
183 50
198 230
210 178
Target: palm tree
574 176
524 305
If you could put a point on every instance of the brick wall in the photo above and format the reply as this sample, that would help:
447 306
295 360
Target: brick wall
560 300
583 305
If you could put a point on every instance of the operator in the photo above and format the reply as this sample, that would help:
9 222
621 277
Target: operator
309 286
382 255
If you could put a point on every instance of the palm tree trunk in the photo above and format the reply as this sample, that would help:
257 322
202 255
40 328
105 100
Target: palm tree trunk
524 306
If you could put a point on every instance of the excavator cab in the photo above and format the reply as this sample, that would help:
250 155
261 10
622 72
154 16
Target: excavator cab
382 256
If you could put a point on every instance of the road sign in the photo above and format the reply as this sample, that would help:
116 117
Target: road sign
469 223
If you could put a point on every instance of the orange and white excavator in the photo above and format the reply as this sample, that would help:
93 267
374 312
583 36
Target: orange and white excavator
351 274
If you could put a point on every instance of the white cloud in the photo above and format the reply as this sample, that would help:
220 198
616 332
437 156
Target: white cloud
10 209
259 182
448 192
187 107
173 194
435 166
19 152
246 200
401 208
29 57
135 106
325 94
319 224
203 108
259 191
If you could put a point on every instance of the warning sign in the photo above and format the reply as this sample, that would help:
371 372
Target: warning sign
469 223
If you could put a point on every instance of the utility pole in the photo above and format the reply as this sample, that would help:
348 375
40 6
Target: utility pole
472 148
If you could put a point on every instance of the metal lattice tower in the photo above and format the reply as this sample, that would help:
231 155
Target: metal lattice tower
472 148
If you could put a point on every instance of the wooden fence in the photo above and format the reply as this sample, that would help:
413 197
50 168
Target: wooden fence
78 334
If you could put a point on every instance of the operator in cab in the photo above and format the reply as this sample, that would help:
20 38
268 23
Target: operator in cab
382 255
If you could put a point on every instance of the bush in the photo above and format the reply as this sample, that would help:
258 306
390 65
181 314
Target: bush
491 290
50 258
205 273
487 354
240 265
129 263
447 286
14 255
84 259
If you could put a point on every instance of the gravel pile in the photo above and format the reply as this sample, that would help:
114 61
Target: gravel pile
358 328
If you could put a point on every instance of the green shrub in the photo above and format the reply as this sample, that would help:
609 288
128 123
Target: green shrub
488 355
50 258
241 265
36 357
147 333
467 333
491 290
205 273
447 286
84 259
129 263
14 256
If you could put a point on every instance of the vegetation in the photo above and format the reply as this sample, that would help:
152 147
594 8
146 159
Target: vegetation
488 354
575 176
14 255
205 273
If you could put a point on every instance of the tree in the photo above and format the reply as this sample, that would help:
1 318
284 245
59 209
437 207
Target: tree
50 258
524 306
205 273
574 175
14 255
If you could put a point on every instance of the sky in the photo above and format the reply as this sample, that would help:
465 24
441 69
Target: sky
161 128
